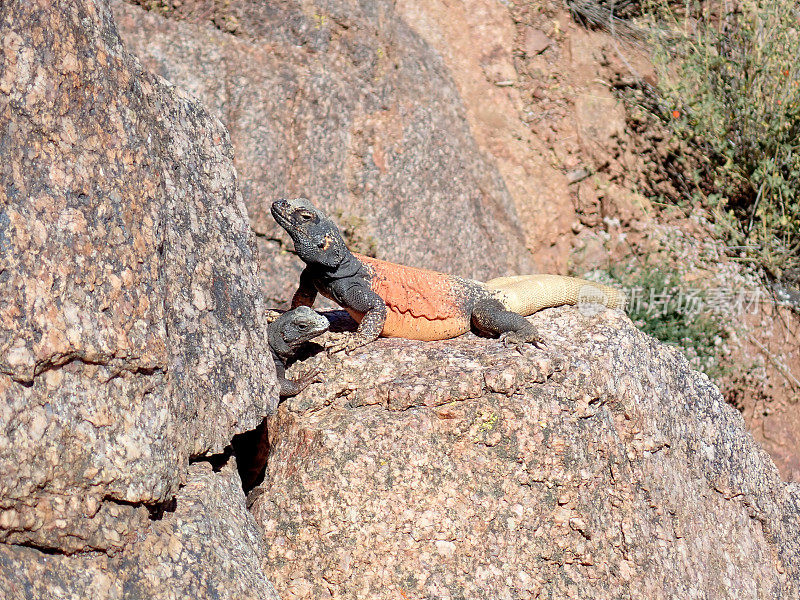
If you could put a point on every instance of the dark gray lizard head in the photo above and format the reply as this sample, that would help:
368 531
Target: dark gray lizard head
293 328
316 238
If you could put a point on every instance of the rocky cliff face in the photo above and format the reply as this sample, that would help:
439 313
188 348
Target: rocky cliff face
133 350
601 467
206 546
345 104
132 334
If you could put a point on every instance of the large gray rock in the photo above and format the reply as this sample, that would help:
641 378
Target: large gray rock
131 327
207 546
340 102
601 467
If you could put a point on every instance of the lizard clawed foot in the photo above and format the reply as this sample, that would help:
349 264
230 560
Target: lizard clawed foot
514 339
292 387
347 343
311 376
336 342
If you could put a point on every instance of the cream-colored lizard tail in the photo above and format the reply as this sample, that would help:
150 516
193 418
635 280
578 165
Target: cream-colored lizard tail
526 294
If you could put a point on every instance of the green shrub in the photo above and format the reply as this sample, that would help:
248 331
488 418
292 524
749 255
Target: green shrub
661 305
728 80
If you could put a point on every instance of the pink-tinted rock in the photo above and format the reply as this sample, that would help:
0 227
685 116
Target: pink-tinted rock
131 326
600 467
536 41
343 103
205 547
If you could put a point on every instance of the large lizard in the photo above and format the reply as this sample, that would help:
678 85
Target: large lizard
399 301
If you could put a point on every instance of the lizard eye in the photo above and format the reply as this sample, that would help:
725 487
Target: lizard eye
305 216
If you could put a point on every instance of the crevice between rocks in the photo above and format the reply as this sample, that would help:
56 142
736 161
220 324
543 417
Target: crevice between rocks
50 551
115 367
251 450
217 461
156 510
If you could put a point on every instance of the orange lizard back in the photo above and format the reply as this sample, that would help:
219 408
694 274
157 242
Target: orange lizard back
423 304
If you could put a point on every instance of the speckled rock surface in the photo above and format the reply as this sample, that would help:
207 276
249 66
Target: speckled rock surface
601 467
131 326
208 547
343 103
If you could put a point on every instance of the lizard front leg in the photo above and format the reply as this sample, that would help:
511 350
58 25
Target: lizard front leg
361 299
306 290
292 387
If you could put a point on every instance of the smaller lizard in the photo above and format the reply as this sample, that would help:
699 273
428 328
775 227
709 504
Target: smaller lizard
286 334
399 301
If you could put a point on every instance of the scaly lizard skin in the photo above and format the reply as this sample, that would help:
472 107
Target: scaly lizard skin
398 301
286 334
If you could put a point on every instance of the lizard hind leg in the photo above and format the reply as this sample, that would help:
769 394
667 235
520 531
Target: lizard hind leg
490 317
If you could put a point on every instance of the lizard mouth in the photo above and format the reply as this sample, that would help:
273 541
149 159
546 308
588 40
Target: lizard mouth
280 210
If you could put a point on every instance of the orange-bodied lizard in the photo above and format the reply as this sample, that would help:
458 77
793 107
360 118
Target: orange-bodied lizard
399 301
